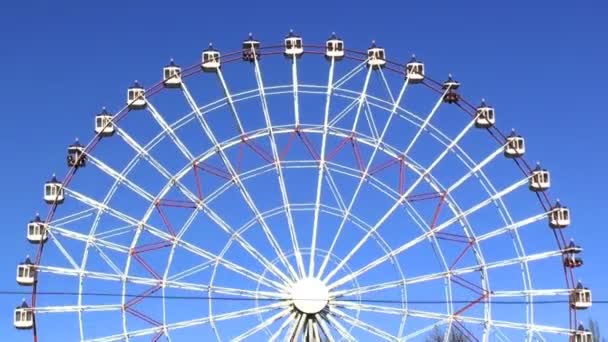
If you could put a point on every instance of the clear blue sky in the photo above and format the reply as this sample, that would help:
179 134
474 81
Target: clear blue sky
544 64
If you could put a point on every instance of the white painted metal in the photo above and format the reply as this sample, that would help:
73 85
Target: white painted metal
300 298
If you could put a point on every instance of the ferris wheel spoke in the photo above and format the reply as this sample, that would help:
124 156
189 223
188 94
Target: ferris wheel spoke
276 157
427 171
76 308
169 131
322 166
121 178
363 176
236 178
512 227
289 320
353 305
325 330
191 323
350 74
296 327
294 82
339 328
424 124
530 293
424 330
230 102
362 325
77 216
86 238
424 236
262 325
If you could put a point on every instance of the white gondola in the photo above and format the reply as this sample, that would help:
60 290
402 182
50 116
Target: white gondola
210 60
103 123
37 231
53 191
485 116
136 98
26 273
334 48
293 45
24 316
251 49
539 179
76 157
580 298
172 75
376 56
515 146
559 216
581 335
450 86
414 71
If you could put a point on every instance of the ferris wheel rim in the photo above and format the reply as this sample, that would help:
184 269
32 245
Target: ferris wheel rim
90 146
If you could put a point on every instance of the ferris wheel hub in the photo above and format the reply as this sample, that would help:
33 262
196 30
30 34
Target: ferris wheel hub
310 295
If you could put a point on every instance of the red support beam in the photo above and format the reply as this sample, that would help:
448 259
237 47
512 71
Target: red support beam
214 171
259 151
199 190
383 166
142 296
308 144
144 317
146 266
165 220
287 147
151 247
338 148
357 153
401 176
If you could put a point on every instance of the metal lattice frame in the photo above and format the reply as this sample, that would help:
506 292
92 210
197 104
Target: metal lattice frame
276 315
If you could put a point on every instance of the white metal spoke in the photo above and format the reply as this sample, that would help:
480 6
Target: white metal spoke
377 145
236 178
276 158
326 330
315 225
290 320
191 323
163 124
424 124
362 325
340 328
262 325
121 178
424 236
294 82
76 308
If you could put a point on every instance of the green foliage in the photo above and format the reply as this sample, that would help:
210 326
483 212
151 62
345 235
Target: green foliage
437 335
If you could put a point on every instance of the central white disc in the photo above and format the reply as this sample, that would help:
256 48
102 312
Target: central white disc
310 295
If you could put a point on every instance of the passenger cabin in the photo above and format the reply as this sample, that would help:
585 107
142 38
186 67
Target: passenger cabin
53 191
450 86
76 157
251 49
581 335
293 45
484 116
172 75
559 217
334 48
210 59
376 56
515 146
580 298
26 273
103 123
414 71
37 231
24 316
136 98
539 179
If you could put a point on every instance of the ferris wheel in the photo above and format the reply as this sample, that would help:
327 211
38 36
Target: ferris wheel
326 195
